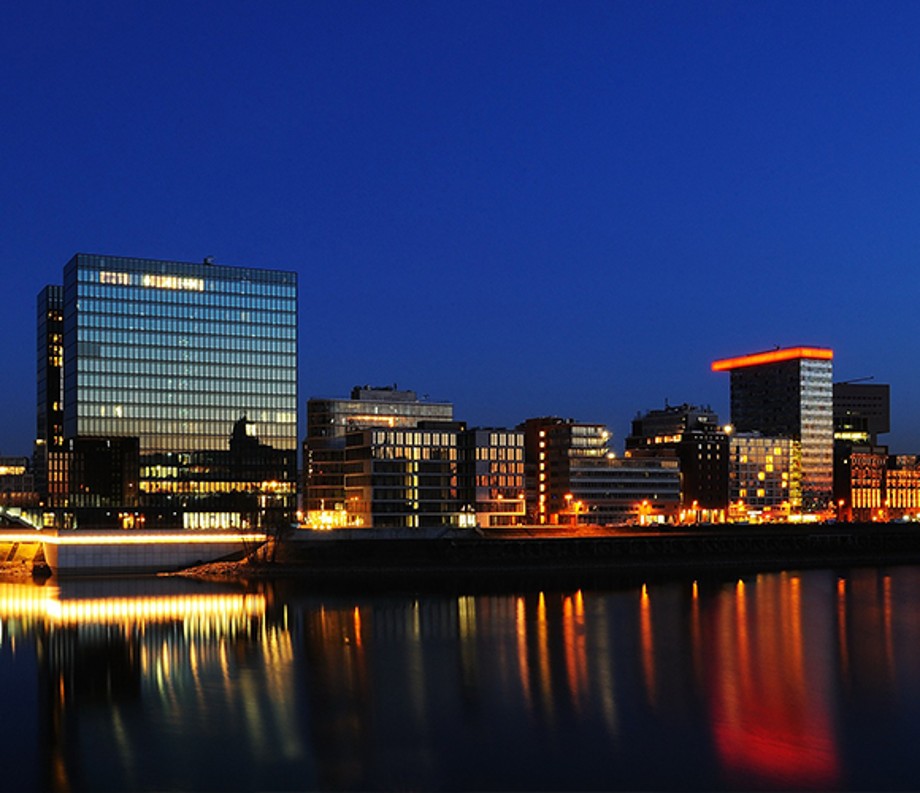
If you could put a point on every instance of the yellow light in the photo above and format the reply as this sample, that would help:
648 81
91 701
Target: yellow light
142 538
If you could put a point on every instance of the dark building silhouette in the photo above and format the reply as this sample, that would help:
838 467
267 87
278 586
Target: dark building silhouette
693 435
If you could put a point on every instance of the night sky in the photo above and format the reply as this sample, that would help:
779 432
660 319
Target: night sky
525 208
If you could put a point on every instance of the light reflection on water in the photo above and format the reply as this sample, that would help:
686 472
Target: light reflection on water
786 680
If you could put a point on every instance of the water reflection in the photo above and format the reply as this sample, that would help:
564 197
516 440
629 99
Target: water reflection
789 680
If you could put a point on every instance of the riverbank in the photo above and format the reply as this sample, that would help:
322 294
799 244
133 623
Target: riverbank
348 559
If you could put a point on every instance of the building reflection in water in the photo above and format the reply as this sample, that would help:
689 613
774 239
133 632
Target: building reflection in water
761 682
769 684
136 667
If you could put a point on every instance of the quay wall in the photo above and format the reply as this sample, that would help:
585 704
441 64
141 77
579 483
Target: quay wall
736 548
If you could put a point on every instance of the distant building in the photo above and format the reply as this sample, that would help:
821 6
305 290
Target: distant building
694 436
172 355
552 445
902 487
573 477
491 475
49 438
862 411
789 393
623 490
17 483
859 480
404 478
763 476
330 420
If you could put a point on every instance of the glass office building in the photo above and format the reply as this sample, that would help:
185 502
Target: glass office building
199 363
789 393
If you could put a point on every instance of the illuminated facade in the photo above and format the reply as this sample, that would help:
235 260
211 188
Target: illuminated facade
551 447
186 358
628 490
404 478
763 476
789 392
694 436
492 475
330 420
17 482
902 486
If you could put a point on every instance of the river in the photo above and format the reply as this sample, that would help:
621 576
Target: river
791 680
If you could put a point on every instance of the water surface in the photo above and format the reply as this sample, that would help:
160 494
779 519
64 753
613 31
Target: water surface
784 680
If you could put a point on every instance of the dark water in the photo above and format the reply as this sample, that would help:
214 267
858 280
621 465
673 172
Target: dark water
788 680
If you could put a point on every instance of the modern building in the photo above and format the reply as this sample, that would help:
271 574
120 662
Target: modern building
862 411
551 446
789 393
491 475
330 420
859 480
179 356
49 438
694 436
405 478
764 475
610 491
902 488
17 483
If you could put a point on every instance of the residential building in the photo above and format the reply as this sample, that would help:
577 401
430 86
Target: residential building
175 355
695 437
330 420
623 490
491 475
789 393
405 478
551 445
764 473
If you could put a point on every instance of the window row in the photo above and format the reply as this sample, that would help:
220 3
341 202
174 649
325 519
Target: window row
95 357
178 386
130 403
188 327
264 315
266 340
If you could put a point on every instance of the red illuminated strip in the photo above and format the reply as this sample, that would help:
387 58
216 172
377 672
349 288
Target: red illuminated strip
773 356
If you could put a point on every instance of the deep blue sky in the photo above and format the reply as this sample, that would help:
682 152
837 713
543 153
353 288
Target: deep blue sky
525 208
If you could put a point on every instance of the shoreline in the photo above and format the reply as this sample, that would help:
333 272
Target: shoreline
606 557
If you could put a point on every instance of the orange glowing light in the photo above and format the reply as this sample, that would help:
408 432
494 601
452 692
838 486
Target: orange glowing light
772 356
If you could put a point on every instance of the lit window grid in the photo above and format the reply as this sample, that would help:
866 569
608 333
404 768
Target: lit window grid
210 370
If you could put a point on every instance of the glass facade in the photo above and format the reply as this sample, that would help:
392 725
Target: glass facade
789 393
199 363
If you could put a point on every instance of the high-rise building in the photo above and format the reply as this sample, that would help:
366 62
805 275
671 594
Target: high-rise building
693 435
330 420
789 393
49 438
184 358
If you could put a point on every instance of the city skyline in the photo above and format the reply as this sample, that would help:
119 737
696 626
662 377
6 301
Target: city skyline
525 210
